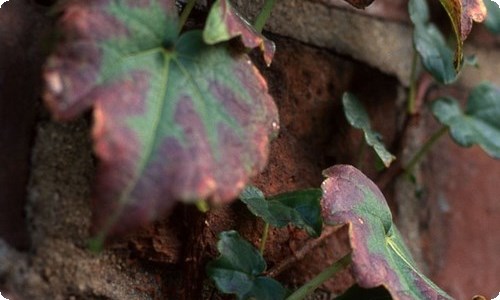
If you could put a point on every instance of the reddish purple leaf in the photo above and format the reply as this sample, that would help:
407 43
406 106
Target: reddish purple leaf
174 118
224 23
462 13
379 255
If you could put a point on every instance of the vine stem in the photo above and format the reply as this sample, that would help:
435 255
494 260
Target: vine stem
263 240
185 13
302 252
412 94
264 15
424 149
309 287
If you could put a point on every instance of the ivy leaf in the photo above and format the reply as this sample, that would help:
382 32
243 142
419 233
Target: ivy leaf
224 23
437 57
174 118
300 208
493 18
238 270
478 124
379 255
462 13
358 117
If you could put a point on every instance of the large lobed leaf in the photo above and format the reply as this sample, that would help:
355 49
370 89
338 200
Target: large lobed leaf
238 270
462 13
299 208
358 117
478 124
174 118
379 255
224 23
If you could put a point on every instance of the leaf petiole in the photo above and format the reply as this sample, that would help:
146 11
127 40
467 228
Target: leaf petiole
202 206
412 94
408 169
185 13
310 286
264 15
263 240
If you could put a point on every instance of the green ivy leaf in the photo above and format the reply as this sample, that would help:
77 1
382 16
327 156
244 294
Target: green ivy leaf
299 208
224 23
379 255
462 13
493 18
479 124
174 118
238 270
358 117
437 57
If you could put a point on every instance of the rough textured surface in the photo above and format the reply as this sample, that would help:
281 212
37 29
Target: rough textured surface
382 44
58 265
307 83
23 36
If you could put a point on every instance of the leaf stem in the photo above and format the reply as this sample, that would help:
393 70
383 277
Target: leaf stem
202 206
309 287
263 240
264 15
185 13
424 149
361 154
412 94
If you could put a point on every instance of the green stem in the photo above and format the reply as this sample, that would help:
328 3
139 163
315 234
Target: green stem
361 154
185 13
264 15
412 94
309 287
202 206
424 149
263 240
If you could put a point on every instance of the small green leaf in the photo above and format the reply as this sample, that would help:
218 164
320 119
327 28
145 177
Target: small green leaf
437 57
358 117
358 293
479 124
238 270
493 18
299 208
379 255
224 23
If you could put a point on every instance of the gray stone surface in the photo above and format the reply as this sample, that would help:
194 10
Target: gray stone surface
385 45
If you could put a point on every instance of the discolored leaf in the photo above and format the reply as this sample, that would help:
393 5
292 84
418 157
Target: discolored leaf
238 270
379 255
174 118
493 18
430 44
224 23
358 117
299 208
462 13
478 124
